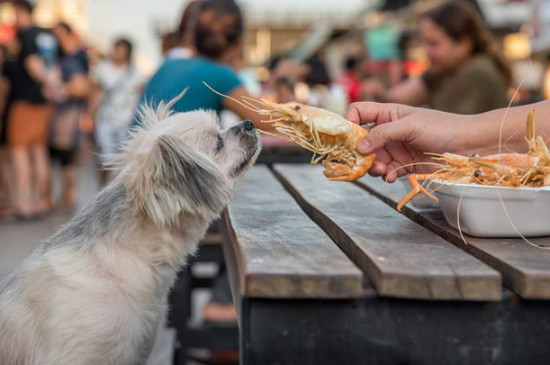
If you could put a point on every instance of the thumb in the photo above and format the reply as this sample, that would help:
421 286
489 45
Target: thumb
381 135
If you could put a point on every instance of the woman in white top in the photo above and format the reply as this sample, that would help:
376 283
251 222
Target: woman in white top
117 88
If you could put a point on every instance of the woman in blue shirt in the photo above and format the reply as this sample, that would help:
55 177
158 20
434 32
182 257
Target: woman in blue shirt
216 29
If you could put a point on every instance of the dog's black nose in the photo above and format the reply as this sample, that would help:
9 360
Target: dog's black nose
248 125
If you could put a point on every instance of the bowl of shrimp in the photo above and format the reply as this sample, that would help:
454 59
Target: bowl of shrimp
495 211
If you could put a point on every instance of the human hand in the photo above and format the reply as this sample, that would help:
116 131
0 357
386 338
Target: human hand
404 134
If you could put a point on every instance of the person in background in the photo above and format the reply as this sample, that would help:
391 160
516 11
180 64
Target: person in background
467 75
282 67
8 56
351 78
284 90
546 80
68 108
29 113
317 73
250 82
217 36
116 88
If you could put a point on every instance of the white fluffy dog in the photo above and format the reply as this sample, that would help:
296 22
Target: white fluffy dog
94 292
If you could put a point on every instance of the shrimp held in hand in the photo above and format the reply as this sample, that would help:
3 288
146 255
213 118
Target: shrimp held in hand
332 139
329 136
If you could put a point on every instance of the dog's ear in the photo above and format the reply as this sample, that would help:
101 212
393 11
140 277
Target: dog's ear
173 179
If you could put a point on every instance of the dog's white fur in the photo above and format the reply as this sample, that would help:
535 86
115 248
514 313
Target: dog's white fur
94 292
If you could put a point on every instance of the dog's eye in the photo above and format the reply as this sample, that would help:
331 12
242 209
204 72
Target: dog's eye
219 144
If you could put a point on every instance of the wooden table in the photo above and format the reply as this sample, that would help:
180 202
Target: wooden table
330 273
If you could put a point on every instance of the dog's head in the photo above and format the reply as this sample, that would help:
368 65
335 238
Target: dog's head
182 163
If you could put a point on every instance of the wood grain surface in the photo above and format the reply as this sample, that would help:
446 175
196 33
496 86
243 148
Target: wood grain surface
525 269
278 251
402 258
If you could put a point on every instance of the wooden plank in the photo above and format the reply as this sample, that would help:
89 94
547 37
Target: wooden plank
279 252
525 269
401 258
230 256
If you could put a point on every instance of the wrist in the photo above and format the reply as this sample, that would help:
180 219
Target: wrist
486 133
474 134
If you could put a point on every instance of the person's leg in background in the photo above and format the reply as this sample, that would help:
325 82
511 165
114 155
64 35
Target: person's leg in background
6 198
103 175
41 188
17 139
65 160
109 140
50 178
22 169
27 137
6 191
40 158
104 143
68 171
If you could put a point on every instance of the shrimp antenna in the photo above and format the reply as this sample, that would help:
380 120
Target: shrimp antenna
246 105
250 100
515 228
416 164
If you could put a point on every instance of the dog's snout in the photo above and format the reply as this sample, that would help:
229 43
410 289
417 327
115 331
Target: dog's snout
247 125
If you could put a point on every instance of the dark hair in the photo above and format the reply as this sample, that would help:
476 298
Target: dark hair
24 5
284 81
189 17
185 28
66 27
459 19
318 73
125 42
219 27
351 63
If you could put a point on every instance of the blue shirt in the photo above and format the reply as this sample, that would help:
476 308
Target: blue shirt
174 75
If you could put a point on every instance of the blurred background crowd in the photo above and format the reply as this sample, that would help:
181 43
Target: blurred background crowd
73 73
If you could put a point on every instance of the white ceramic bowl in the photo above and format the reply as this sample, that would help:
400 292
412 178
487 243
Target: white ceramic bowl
421 201
483 209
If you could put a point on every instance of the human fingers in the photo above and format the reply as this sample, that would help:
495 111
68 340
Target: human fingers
378 168
393 170
371 112
382 135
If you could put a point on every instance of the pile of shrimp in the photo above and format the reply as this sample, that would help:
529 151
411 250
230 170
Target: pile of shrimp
531 169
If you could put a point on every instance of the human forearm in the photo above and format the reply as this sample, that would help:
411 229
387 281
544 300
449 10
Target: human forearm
503 129
93 101
5 88
35 68
233 103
